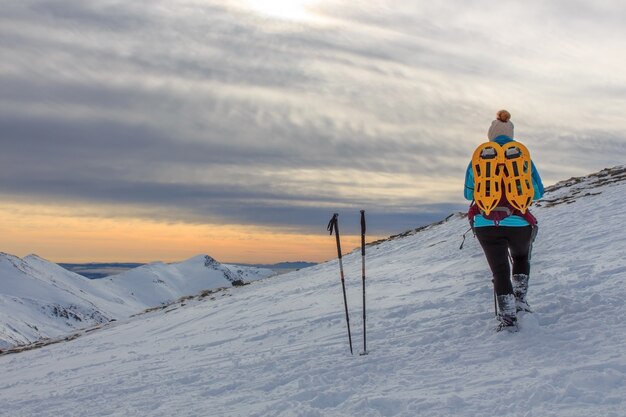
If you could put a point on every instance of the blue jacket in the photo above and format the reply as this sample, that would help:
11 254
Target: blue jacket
515 221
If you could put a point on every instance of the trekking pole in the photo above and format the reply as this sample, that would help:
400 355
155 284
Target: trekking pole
333 224
363 278
495 302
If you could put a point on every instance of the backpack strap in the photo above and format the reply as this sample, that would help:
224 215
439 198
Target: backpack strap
472 212
498 214
528 216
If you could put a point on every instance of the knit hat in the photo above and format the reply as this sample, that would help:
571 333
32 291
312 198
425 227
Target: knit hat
502 126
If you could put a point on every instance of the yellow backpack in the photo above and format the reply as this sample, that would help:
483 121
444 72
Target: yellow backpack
505 167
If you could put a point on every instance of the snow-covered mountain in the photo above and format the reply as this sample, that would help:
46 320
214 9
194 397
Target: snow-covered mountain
159 283
40 299
279 347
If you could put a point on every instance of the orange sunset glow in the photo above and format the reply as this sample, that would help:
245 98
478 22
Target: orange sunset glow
61 236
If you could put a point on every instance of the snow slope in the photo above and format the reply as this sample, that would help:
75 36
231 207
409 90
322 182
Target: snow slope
159 283
39 299
278 347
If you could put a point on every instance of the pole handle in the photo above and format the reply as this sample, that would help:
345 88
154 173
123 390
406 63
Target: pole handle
333 226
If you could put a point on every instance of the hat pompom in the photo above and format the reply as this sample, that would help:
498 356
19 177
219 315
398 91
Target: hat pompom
503 116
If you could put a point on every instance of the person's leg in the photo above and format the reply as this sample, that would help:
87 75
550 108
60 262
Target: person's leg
520 244
495 246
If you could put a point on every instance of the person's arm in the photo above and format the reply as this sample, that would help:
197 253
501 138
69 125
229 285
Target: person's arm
537 183
469 183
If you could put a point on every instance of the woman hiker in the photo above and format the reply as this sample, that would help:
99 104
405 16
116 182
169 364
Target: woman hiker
505 232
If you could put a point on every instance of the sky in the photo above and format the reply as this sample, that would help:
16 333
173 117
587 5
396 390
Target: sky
136 131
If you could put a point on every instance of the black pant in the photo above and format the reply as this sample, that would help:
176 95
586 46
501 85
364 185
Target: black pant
498 242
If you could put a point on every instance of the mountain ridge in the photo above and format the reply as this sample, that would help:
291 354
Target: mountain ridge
97 270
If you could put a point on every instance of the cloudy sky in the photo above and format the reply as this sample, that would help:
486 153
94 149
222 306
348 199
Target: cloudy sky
137 131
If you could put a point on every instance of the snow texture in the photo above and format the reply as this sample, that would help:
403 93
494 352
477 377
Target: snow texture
278 347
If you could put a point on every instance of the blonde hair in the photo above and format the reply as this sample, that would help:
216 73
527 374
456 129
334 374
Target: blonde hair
503 116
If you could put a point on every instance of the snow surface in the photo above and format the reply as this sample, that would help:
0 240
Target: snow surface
278 347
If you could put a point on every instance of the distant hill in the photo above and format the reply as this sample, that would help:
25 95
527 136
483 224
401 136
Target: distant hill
94 270
99 270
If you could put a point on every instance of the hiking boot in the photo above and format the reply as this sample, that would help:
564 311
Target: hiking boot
520 288
507 313
507 323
